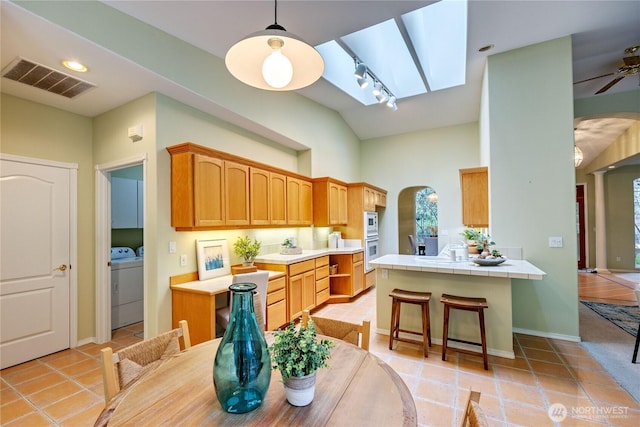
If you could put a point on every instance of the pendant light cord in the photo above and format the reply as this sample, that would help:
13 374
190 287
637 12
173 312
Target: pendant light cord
275 12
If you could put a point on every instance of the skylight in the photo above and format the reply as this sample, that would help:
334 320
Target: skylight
438 40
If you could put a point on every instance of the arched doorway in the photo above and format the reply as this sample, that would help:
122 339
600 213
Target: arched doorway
418 217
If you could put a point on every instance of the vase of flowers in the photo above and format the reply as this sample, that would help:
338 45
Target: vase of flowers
298 354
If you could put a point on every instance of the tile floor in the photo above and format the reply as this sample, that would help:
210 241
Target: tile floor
66 388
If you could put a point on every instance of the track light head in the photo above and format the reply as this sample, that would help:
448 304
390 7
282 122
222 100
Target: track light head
363 82
361 70
382 96
377 89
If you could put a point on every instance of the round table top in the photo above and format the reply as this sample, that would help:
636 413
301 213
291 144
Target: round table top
357 388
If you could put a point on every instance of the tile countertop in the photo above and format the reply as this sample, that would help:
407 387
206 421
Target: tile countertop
277 258
216 285
512 269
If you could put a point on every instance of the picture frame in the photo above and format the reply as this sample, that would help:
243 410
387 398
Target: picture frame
213 258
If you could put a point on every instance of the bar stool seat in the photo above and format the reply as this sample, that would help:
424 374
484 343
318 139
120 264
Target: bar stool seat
469 304
422 299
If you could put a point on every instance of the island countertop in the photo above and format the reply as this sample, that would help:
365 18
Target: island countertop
512 269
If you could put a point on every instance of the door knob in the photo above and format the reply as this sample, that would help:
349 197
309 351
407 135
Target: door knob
61 267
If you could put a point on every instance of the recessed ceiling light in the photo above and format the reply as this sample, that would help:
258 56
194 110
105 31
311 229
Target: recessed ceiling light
485 48
75 66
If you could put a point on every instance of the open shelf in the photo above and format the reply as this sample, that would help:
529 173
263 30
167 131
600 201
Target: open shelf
340 275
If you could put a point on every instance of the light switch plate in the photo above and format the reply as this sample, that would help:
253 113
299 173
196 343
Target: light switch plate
183 260
555 242
172 247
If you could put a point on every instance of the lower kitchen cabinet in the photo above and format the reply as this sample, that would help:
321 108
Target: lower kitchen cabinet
322 280
302 287
276 303
349 280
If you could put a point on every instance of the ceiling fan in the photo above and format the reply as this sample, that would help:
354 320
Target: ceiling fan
630 66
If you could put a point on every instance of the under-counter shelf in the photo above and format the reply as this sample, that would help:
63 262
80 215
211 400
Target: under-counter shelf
331 276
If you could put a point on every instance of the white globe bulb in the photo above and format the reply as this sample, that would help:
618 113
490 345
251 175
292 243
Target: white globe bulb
277 70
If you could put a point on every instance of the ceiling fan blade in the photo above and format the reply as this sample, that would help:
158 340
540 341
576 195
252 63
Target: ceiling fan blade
593 78
610 84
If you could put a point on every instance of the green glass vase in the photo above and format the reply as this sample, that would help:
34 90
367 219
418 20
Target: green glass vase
242 367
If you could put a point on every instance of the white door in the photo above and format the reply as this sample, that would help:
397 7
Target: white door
34 260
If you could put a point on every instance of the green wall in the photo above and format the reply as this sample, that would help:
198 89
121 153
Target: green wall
532 178
34 130
619 213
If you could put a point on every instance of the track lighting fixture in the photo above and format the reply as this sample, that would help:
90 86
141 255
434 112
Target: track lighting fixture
380 91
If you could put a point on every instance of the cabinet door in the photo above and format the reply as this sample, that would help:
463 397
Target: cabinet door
358 277
306 202
293 201
124 203
369 199
474 186
294 298
260 186
237 193
343 216
309 290
208 189
334 203
278 204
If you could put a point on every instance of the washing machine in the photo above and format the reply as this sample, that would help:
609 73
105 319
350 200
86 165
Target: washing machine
127 287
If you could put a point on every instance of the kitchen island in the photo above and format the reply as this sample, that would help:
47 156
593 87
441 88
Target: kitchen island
438 275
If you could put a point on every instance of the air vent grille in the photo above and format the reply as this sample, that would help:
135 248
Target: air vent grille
36 75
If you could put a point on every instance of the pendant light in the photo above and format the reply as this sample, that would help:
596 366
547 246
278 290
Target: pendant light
274 59
577 156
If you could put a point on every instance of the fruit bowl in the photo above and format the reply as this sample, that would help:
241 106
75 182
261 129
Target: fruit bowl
488 262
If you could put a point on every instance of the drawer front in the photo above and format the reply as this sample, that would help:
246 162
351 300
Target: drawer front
276 315
358 257
322 296
321 261
322 272
276 284
322 284
301 267
276 296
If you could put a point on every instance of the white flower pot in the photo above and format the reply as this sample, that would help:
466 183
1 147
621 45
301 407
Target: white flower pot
300 390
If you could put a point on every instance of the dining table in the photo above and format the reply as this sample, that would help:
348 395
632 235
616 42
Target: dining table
357 388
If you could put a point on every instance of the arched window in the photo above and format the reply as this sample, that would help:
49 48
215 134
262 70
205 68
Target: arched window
417 216
426 214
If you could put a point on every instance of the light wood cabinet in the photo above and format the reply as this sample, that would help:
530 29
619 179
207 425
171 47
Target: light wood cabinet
236 178
322 280
362 197
276 303
349 281
260 200
474 186
278 202
329 202
301 288
299 201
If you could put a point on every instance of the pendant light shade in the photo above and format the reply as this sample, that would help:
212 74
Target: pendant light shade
577 155
274 59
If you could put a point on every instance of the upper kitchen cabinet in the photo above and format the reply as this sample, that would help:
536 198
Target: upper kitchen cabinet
362 197
474 186
329 202
211 189
299 201
126 203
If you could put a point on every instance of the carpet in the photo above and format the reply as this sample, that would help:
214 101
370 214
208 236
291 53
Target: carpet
626 317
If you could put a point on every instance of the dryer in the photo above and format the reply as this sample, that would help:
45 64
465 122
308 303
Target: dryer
127 287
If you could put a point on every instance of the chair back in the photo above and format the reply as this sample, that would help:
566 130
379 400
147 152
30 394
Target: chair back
412 243
129 364
473 415
353 333
261 280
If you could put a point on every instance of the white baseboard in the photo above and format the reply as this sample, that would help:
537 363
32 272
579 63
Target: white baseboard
86 341
547 335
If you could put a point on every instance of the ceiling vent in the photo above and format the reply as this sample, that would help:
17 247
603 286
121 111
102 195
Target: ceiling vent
36 75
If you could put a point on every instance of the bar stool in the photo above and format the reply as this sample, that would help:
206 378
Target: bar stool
469 304
419 298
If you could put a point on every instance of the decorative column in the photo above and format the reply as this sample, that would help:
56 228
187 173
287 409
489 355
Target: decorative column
601 229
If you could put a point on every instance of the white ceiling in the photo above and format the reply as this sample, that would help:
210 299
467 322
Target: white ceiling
601 31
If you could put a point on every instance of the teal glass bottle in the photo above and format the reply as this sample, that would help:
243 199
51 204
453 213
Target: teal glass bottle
242 367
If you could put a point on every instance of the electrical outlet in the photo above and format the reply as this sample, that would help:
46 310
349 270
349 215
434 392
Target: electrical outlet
555 242
183 260
618 259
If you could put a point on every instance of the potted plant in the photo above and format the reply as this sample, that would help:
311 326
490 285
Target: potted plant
470 234
247 249
483 241
298 354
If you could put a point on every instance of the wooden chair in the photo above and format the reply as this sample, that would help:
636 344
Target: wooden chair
261 280
124 367
346 331
635 349
473 414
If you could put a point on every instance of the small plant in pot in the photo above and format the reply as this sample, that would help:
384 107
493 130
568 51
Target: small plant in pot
470 234
298 354
247 249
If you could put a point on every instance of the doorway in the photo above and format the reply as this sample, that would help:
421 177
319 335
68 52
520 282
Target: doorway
104 233
581 226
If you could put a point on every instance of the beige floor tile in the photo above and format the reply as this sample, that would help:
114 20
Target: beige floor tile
535 343
40 383
90 378
86 417
7 394
14 410
514 375
434 414
34 419
522 414
81 367
542 355
485 385
55 393
581 362
438 373
595 377
434 391
517 363
521 393
26 373
546 368
561 385
71 405
610 395
68 359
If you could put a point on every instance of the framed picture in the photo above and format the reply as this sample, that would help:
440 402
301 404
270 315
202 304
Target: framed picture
213 258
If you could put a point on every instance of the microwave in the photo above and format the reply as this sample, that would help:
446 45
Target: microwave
370 224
